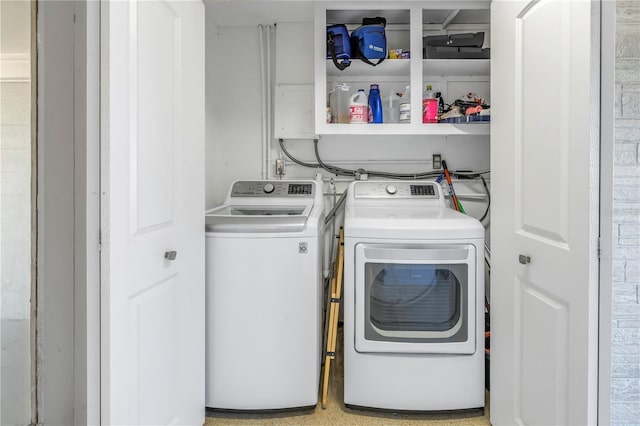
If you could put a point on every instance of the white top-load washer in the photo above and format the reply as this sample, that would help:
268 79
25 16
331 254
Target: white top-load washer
264 296
413 300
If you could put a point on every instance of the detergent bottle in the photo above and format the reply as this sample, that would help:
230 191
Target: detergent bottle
358 108
404 106
429 106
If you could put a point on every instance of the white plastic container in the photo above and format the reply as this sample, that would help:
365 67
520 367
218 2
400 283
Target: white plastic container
359 108
405 106
391 108
339 102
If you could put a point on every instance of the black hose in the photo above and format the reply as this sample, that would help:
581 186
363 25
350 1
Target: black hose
294 159
346 172
486 188
331 169
335 208
339 171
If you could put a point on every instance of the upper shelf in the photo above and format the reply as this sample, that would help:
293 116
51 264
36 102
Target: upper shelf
440 129
456 67
400 68
388 67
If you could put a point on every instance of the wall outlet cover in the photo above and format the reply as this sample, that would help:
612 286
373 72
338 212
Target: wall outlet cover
437 161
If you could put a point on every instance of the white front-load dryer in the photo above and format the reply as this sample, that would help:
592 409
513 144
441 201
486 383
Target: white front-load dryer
264 296
413 300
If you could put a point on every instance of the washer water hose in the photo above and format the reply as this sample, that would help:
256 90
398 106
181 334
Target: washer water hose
338 171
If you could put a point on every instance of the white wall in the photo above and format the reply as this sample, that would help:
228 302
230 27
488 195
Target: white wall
233 117
233 125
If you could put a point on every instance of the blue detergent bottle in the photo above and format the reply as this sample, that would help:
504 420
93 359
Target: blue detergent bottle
375 104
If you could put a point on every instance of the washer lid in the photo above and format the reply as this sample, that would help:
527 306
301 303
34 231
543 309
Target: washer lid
274 210
264 218
410 223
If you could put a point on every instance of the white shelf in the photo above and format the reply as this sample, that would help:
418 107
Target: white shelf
409 18
388 68
456 67
439 129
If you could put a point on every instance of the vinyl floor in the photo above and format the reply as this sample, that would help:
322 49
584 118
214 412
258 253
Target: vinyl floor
337 414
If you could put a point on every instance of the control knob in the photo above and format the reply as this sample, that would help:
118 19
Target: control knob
392 189
268 188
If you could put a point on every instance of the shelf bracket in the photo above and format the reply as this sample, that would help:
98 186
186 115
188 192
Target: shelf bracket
450 18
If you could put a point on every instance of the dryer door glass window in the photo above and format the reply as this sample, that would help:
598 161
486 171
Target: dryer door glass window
416 302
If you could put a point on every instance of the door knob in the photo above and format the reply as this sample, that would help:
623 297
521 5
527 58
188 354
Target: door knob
170 255
524 259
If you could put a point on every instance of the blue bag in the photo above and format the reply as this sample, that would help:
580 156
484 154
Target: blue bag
369 41
339 45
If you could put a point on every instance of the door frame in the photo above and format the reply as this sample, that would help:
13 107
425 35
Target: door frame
55 274
88 219
68 213
86 297
602 37
607 145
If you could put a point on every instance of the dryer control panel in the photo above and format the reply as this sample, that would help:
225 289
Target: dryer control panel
390 190
273 188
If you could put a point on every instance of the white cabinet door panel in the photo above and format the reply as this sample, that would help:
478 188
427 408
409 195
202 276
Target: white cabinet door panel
152 203
544 206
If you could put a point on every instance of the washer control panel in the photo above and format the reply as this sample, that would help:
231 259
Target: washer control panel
273 189
365 189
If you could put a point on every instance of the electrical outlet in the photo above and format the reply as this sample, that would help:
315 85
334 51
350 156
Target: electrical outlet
437 161
280 167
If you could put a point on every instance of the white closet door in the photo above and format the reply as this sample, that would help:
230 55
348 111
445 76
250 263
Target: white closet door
544 156
152 358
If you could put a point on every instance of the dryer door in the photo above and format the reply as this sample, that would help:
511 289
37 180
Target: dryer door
415 298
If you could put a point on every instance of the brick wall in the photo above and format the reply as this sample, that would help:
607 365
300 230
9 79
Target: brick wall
625 351
15 174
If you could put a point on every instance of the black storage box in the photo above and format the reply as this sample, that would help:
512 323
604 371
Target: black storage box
456 40
455 46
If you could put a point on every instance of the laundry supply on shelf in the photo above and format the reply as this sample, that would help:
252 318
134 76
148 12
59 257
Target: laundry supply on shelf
429 106
375 105
358 108
339 103
404 107
391 107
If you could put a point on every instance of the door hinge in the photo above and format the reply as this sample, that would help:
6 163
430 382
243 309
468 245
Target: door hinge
599 247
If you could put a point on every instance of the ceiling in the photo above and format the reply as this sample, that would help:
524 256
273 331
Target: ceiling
245 13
